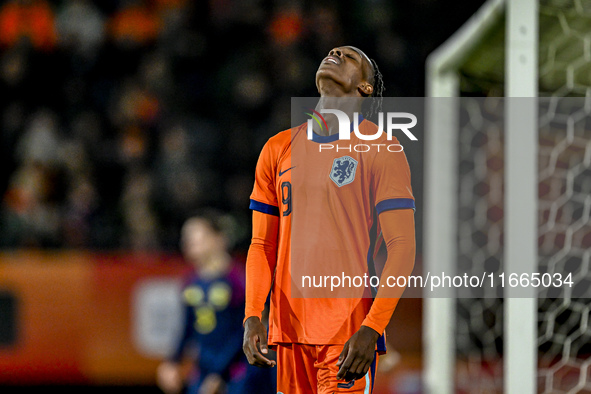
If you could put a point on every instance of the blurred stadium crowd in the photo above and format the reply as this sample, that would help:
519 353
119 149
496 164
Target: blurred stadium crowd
120 117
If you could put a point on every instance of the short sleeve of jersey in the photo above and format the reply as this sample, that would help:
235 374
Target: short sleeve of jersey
391 181
264 196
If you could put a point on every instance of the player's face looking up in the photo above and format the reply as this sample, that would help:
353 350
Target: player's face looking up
345 72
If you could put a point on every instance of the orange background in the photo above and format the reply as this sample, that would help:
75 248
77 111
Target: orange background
74 320
74 315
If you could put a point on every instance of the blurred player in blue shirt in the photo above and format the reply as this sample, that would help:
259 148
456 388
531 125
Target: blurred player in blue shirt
213 300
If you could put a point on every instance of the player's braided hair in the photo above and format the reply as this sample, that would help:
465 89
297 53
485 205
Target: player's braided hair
378 90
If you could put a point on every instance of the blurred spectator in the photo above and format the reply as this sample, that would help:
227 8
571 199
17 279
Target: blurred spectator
135 24
138 215
13 67
155 74
40 140
30 212
176 156
28 22
134 104
81 28
81 205
286 26
172 16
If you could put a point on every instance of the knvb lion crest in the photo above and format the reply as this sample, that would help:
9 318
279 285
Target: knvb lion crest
343 170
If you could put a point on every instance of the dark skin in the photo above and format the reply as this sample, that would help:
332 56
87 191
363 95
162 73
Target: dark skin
255 343
345 72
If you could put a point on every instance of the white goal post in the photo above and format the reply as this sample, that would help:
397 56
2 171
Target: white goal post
441 185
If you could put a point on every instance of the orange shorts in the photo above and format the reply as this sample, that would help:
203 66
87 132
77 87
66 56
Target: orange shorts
304 369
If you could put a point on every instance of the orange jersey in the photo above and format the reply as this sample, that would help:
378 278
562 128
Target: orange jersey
328 194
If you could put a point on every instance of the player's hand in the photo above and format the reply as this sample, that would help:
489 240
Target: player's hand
169 378
255 335
358 354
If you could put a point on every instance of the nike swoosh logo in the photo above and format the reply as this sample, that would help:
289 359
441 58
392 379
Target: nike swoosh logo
283 172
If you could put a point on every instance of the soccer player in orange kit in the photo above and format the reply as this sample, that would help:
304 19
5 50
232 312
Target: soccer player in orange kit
346 201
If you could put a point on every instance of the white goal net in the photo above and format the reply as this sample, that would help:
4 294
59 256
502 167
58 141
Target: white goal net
564 197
